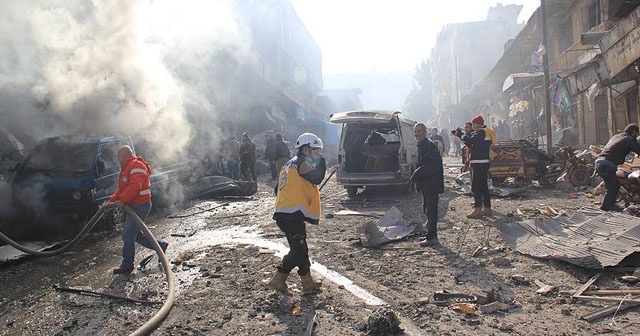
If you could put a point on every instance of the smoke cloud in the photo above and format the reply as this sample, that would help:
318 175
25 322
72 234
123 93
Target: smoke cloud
143 68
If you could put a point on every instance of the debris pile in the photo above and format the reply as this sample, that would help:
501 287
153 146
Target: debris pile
383 322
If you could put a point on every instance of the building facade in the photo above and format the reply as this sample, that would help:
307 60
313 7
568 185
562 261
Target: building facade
463 53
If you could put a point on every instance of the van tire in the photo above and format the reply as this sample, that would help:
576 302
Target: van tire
352 191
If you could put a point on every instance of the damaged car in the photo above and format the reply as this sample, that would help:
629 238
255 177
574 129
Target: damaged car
377 148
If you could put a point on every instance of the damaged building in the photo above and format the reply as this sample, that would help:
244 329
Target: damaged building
593 74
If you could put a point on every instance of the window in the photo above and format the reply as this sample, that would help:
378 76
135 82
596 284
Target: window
593 14
109 157
566 36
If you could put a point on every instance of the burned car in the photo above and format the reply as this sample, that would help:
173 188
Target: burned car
377 148
64 179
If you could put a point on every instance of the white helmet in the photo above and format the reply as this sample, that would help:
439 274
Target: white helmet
309 139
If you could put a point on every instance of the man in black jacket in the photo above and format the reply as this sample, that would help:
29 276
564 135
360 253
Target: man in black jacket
613 154
428 178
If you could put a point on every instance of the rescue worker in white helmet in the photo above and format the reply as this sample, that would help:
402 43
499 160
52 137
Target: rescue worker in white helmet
297 202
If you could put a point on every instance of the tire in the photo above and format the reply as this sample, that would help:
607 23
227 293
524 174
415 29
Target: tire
352 191
580 177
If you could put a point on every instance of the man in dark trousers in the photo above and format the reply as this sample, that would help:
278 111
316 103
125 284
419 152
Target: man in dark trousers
270 154
479 143
134 190
297 202
613 154
248 158
282 153
428 178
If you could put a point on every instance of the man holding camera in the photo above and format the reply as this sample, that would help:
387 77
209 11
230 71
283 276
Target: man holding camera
479 143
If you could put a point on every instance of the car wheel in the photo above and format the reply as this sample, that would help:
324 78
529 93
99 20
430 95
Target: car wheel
580 177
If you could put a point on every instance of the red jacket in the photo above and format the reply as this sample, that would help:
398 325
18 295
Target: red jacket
134 184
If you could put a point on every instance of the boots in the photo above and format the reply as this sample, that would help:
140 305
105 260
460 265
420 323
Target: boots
278 283
477 213
309 286
487 212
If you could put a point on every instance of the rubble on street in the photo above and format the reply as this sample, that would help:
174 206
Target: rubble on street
480 280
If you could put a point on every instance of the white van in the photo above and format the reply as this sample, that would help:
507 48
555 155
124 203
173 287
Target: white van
377 148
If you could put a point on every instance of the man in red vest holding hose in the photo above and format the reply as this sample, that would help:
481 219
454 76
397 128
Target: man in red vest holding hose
134 190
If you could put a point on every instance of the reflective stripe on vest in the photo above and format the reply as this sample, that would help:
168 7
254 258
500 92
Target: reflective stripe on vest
145 192
137 170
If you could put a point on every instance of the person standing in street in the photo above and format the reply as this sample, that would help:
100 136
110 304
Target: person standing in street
457 144
429 179
465 150
444 134
613 154
232 156
134 190
248 158
479 143
270 154
297 202
437 139
282 153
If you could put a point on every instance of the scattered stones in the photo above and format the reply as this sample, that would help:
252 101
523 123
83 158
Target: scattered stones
518 279
501 262
494 307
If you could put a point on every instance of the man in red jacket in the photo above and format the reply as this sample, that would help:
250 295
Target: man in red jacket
134 190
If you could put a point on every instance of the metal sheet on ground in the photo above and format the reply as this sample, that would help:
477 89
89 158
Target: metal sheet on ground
9 253
587 238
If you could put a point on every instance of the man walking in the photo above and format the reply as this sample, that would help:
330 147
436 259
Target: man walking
297 202
428 178
613 154
134 190
479 143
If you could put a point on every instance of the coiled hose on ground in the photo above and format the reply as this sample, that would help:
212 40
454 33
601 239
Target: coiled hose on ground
162 313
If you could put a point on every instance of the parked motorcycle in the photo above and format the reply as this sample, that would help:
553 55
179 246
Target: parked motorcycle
578 170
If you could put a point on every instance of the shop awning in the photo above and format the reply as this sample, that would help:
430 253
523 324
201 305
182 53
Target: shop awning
518 81
586 75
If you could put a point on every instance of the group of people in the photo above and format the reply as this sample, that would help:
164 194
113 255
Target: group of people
240 157
298 194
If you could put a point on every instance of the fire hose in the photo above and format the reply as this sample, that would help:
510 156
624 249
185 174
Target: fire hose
162 313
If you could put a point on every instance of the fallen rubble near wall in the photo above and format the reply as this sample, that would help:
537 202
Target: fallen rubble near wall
587 238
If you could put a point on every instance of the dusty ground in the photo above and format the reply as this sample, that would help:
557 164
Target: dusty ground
223 254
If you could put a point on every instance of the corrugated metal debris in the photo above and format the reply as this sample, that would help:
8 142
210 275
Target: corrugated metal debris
588 238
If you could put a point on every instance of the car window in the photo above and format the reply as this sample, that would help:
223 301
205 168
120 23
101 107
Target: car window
109 156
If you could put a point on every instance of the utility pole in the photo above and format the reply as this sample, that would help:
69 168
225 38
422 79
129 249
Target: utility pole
547 82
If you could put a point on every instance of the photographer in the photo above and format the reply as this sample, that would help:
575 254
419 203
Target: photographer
479 144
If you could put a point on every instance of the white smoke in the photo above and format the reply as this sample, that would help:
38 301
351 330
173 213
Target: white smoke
143 68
